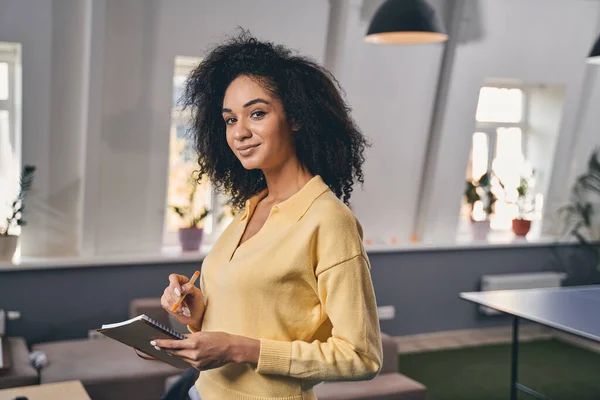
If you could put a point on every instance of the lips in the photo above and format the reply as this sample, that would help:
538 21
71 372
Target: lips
246 150
246 147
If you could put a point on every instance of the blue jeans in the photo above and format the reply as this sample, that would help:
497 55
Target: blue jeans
193 393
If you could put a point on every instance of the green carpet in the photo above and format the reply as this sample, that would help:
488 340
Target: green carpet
555 369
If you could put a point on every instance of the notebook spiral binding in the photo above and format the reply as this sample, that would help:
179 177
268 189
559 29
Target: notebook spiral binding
164 328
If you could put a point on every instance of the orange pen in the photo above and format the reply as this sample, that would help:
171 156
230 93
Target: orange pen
192 281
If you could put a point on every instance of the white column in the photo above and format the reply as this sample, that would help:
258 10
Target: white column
131 193
61 204
91 144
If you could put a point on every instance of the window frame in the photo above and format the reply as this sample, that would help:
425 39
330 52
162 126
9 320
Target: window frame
11 57
10 54
491 128
183 65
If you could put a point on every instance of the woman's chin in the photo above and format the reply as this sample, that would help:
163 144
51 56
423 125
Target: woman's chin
251 164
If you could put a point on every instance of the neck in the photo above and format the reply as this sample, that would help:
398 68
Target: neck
285 181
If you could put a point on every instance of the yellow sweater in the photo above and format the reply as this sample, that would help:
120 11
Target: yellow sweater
301 286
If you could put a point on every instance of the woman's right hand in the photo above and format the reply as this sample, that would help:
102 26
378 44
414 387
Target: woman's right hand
191 310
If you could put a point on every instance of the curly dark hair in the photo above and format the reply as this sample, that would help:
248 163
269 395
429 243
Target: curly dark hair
328 143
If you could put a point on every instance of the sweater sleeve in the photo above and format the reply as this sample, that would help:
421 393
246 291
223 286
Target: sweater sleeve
353 352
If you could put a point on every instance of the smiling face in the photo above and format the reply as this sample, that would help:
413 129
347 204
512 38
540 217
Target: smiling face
257 130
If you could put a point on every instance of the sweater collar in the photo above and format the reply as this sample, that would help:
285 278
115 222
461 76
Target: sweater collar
296 205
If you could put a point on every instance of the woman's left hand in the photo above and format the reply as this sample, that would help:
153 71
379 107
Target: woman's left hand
208 350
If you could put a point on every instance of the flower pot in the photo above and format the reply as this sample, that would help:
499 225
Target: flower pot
521 227
8 246
190 238
480 229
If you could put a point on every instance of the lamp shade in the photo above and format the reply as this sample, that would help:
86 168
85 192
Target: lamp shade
594 57
405 22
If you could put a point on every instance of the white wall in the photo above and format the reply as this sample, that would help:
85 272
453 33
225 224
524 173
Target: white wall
391 90
29 22
521 40
54 38
546 104
127 67
68 123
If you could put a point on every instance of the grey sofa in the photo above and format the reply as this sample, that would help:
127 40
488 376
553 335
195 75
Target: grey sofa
20 373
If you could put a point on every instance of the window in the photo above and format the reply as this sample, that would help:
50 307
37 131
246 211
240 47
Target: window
183 168
500 105
498 147
10 127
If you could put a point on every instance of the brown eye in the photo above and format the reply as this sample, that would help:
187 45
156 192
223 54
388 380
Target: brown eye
258 114
229 121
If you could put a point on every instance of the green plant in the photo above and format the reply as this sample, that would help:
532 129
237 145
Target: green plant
18 206
578 215
580 218
188 213
525 199
481 189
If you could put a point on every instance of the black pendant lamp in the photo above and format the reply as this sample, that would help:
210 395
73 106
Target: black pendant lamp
405 22
594 57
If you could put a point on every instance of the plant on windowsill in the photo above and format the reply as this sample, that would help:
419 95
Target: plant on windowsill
581 216
191 230
8 234
481 190
525 206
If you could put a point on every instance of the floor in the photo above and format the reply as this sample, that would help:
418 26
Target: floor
469 338
557 369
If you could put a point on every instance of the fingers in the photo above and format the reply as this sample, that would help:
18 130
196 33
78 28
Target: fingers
168 301
184 309
176 281
173 344
179 285
169 298
189 356
187 288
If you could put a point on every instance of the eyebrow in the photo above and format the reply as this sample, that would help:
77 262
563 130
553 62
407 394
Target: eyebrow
248 104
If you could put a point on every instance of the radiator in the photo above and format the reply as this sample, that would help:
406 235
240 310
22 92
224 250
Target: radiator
534 280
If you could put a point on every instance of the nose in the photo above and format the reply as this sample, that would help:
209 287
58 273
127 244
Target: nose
241 134
241 131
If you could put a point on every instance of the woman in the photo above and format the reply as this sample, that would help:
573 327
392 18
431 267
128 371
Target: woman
285 299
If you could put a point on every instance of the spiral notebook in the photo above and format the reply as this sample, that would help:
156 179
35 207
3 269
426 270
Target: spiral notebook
139 331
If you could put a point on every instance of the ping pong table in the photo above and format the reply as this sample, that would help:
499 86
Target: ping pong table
575 310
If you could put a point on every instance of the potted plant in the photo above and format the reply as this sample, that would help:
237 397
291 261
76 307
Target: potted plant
481 190
191 231
9 233
525 205
581 217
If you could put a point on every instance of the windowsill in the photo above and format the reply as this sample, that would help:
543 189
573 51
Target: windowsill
463 244
174 254
167 255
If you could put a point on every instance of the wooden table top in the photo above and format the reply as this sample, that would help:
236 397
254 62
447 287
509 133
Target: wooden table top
72 390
